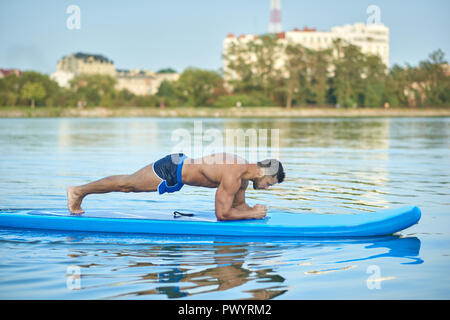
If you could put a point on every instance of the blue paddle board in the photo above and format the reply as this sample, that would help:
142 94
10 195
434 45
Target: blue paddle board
276 224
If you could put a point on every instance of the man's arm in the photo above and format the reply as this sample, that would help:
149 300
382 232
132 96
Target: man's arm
239 198
225 196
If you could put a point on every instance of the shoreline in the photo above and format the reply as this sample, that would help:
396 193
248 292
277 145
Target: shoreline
204 112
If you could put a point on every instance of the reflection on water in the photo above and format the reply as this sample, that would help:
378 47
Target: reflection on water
333 166
212 267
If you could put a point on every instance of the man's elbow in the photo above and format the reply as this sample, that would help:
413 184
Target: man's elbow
223 215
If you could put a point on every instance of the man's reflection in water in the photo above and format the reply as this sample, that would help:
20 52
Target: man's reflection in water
225 273
228 265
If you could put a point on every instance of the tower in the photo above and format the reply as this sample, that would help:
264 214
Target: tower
275 16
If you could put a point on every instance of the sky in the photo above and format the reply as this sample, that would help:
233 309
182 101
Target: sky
180 33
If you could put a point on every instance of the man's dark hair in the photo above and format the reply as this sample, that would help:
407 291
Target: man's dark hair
273 167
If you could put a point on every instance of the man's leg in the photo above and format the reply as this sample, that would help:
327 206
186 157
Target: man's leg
144 180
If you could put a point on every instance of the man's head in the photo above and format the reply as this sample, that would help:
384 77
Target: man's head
272 172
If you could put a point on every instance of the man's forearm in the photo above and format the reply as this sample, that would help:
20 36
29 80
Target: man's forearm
243 206
238 214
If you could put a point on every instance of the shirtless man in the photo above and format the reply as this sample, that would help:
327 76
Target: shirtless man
228 173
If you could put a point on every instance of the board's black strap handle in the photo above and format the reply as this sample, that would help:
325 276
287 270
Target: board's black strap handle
177 214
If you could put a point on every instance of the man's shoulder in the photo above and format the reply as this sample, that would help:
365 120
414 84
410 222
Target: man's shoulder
235 173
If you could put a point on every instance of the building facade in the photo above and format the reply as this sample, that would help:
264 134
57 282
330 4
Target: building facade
137 81
86 63
141 81
5 72
77 63
62 77
371 38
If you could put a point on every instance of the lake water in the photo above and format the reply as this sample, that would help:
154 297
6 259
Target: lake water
333 166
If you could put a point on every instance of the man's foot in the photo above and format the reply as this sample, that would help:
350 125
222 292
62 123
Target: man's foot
74 199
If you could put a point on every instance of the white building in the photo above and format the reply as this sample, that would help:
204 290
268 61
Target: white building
86 63
137 81
142 82
371 38
77 63
62 78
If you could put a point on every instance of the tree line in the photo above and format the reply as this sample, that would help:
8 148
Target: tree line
340 76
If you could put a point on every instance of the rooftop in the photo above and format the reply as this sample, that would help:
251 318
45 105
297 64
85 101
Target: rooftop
89 56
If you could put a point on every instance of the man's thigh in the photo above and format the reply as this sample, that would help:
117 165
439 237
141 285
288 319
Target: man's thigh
143 180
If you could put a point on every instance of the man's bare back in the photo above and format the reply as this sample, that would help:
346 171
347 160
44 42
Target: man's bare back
228 173
209 171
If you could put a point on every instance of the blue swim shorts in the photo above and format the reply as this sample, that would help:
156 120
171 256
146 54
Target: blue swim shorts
168 169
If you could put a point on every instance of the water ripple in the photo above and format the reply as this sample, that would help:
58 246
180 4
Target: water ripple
333 166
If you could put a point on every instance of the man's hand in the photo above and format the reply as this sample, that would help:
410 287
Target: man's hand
260 211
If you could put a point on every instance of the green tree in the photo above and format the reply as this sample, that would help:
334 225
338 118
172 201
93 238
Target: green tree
318 66
33 91
95 89
266 50
167 70
434 80
168 93
396 84
296 77
239 70
124 98
374 74
9 90
50 86
348 66
251 66
197 87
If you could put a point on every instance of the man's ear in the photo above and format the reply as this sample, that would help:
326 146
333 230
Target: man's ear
260 173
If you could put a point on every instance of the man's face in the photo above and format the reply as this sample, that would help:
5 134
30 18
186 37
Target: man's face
264 182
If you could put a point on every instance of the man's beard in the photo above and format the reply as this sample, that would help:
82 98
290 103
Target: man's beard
255 184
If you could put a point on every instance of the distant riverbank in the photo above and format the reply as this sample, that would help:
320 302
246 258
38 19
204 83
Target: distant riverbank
249 112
